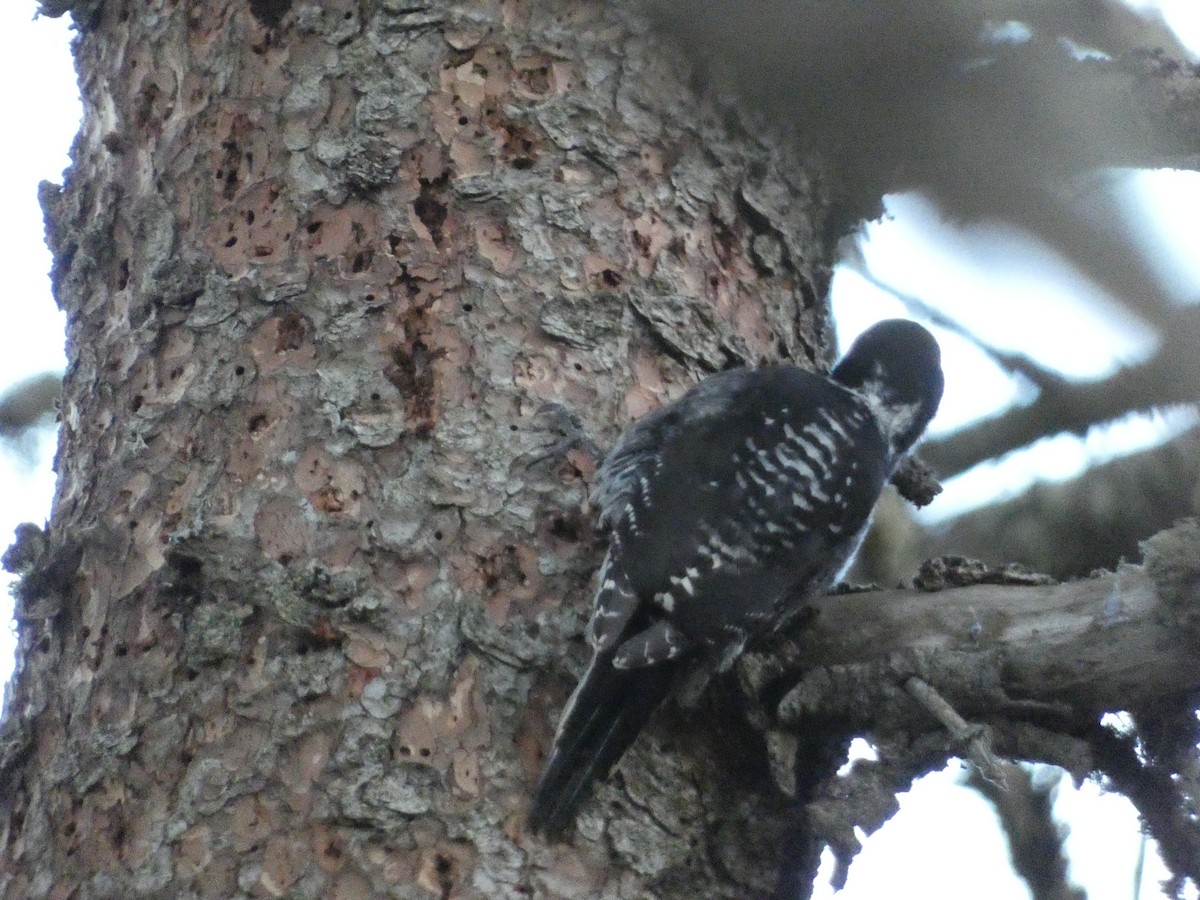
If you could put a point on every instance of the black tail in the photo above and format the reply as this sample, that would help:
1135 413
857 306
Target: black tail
602 718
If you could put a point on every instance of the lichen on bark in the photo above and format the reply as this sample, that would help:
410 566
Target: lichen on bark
335 275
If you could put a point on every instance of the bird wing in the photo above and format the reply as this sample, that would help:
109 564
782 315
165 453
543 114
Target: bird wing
726 501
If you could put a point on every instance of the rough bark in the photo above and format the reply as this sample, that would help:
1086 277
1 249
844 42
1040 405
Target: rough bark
1006 667
1046 644
338 276
351 290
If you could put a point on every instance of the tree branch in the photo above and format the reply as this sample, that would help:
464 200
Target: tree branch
1098 644
1093 521
1024 804
997 672
1169 377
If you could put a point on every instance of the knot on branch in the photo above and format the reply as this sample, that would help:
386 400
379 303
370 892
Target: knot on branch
1172 560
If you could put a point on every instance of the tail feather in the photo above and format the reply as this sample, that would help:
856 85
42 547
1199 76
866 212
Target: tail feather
602 718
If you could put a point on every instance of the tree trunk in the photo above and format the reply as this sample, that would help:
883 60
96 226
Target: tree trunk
350 290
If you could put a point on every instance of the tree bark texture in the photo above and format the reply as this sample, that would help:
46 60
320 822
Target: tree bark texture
354 291
350 288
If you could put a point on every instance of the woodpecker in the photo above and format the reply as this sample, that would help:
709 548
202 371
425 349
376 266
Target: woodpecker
728 511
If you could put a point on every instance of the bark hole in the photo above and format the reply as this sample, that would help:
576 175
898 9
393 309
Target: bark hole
432 213
293 330
270 12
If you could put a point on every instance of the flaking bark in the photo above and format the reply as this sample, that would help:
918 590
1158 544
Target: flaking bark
348 288
353 292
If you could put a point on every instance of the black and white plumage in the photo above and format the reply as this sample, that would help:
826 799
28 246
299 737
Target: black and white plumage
729 510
